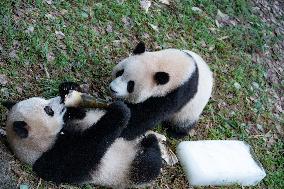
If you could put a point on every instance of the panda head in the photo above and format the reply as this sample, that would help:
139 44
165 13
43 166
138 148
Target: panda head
150 74
32 124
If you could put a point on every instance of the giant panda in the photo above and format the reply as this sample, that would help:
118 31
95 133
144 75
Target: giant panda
170 86
73 145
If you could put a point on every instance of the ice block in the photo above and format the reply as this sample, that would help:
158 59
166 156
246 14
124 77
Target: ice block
219 162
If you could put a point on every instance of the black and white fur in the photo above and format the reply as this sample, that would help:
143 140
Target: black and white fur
170 86
87 149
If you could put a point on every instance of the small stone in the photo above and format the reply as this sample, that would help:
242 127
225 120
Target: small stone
237 85
3 79
84 15
120 1
260 127
13 54
2 132
146 35
192 133
5 92
203 43
16 44
30 29
116 43
109 28
19 90
50 56
255 85
196 9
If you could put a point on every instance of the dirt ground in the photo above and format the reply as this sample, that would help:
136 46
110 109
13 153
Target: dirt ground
7 179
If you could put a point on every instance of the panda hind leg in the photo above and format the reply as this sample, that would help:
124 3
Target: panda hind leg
179 129
147 164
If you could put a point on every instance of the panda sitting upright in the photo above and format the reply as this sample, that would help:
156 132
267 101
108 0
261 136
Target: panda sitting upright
89 150
170 86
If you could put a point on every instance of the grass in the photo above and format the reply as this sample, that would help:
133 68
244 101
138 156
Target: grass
97 35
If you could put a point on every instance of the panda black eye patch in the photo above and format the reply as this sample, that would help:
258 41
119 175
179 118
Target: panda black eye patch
161 78
130 86
48 110
119 73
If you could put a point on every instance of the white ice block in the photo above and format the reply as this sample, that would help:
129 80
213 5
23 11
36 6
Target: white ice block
219 162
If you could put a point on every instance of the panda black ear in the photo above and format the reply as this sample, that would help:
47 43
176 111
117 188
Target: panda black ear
140 48
8 104
161 78
20 128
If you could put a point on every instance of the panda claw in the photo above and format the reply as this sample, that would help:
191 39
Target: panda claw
65 87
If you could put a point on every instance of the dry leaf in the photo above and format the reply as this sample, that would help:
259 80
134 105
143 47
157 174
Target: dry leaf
203 43
49 2
59 34
221 16
127 22
63 11
211 47
166 2
224 19
280 130
154 27
120 1
224 37
196 9
49 16
145 4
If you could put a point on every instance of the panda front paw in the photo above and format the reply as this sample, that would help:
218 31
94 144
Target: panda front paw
149 141
66 87
120 112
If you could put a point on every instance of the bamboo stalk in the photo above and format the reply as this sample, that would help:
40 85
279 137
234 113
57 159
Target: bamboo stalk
83 100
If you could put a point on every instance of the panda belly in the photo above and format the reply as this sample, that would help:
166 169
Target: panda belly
115 165
187 117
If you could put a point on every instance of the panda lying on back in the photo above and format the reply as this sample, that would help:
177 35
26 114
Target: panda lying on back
89 150
170 85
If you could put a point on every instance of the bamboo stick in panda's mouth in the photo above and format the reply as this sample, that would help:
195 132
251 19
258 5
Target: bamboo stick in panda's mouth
83 100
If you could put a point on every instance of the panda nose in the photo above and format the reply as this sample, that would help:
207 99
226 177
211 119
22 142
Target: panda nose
113 91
